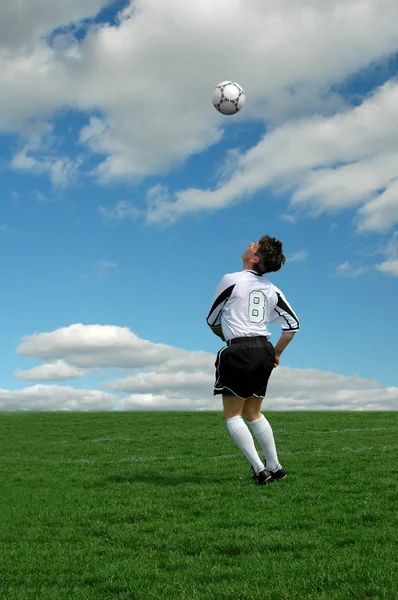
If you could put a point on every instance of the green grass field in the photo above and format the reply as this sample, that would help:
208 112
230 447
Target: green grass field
161 505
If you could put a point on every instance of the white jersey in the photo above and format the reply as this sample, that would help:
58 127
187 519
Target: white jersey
245 303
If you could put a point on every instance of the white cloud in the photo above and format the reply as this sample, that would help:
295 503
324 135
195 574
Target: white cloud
61 171
86 346
391 250
58 370
190 383
289 389
329 163
123 210
22 24
349 270
381 213
289 218
299 256
168 401
39 156
147 112
166 378
312 389
54 397
42 198
389 267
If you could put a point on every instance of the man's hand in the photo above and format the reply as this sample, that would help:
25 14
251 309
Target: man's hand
276 360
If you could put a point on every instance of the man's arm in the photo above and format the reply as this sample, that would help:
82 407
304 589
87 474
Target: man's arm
287 318
223 293
283 341
218 331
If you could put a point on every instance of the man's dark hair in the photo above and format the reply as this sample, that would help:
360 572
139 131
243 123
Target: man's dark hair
270 255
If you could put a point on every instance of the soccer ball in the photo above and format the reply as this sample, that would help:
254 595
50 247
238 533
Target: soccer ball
228 97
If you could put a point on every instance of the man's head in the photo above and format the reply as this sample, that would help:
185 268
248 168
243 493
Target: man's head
264 256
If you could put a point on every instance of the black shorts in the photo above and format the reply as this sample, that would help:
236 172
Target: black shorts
244 366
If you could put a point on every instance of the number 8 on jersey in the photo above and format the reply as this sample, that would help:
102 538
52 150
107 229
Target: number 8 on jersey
256 306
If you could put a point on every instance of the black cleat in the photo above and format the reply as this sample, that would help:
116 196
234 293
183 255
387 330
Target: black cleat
276 475
262 478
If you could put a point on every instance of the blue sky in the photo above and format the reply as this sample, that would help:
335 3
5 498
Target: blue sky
126 197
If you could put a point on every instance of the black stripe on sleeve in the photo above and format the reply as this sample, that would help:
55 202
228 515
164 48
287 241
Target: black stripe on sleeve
282 304
220 300
282 316
289 325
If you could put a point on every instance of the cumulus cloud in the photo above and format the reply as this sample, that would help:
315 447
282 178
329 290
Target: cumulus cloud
55 397
381 213
58 370
22 24
168 401
312 389
40 155
192 384
146 111
389 267
88 346
328 163
61 170
166 378
289 389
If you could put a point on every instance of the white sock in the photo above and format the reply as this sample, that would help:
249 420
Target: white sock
242 437
263 432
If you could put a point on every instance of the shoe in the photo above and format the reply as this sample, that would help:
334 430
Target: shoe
276 475
262 478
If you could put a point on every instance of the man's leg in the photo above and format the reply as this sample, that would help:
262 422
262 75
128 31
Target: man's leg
239 431
262 430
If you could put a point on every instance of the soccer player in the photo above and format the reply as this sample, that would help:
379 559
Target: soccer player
244 304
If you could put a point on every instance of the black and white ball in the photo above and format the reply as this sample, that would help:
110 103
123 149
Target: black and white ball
228 97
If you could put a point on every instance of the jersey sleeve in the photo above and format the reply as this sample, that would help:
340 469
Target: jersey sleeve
283 313
221 297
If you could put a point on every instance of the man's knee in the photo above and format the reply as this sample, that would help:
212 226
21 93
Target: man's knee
251 416
232 406
252 409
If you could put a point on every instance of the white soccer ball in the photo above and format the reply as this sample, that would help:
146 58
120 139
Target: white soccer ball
228 97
